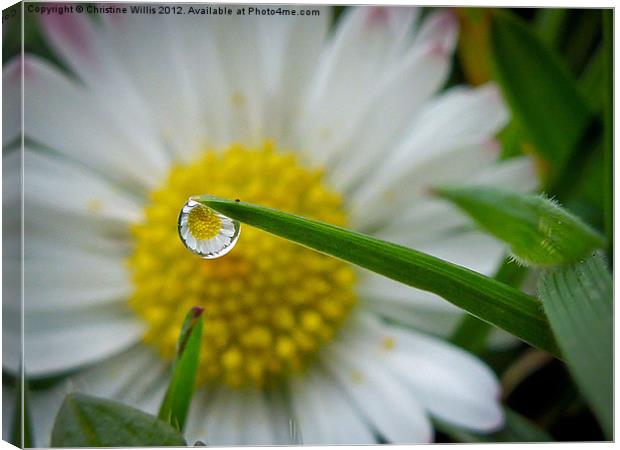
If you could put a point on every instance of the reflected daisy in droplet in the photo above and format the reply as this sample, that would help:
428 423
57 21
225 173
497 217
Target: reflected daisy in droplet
348 127
205 232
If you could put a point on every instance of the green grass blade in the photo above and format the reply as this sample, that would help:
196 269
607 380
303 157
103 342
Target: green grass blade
472 333
540 232
542 94
578 302
550 25
483 297
591 80
178 397
517 429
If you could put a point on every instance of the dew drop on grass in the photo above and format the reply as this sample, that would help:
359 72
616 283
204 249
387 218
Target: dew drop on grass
206 232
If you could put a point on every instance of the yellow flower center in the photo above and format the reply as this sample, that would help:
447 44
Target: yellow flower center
269 304
203 223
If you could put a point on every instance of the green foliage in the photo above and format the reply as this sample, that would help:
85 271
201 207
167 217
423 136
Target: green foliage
542 94
179 394
516 429
85 421
539 232
578 301
608 151
472 333
483 297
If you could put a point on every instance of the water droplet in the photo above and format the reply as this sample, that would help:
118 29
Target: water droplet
206 232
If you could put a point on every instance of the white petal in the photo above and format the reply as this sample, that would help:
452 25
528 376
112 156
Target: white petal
53 183
404 90
50 231
460 118
384 400
324 414
373 204
152 52
11 101
79 41
59 341
451 383
516 174
405 305
66 117
224 424
366 41
74 279
439 29
290 47
257 427
473 249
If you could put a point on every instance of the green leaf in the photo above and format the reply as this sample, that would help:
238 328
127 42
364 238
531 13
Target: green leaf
483 297
608 111
516 429
550 25
591 80
472 333
578 302
85 421
179 394
542 94
539 232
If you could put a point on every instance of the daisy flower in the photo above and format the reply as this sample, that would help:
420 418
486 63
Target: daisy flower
346 126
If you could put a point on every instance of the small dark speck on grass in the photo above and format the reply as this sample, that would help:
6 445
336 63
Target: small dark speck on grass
237 200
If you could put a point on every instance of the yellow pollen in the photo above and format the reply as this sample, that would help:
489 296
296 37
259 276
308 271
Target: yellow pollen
203 223
388 343
269 305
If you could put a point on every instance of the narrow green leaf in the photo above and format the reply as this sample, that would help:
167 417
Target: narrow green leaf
85 421
472 333
517 429
542 94
483 297
179 394
608 88
550 25
539 232
578 302
591 80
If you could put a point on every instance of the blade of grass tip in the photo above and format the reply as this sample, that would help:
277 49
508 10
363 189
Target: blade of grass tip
481 296
179 394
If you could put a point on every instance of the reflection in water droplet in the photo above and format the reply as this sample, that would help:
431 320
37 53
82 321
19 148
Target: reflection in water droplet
206 232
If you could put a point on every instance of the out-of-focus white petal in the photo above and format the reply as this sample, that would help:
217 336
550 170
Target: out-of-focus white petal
11 101
461 118
382 399
70 122
52 183
74 279
62 340
78 40
364 45
451 383
315 393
